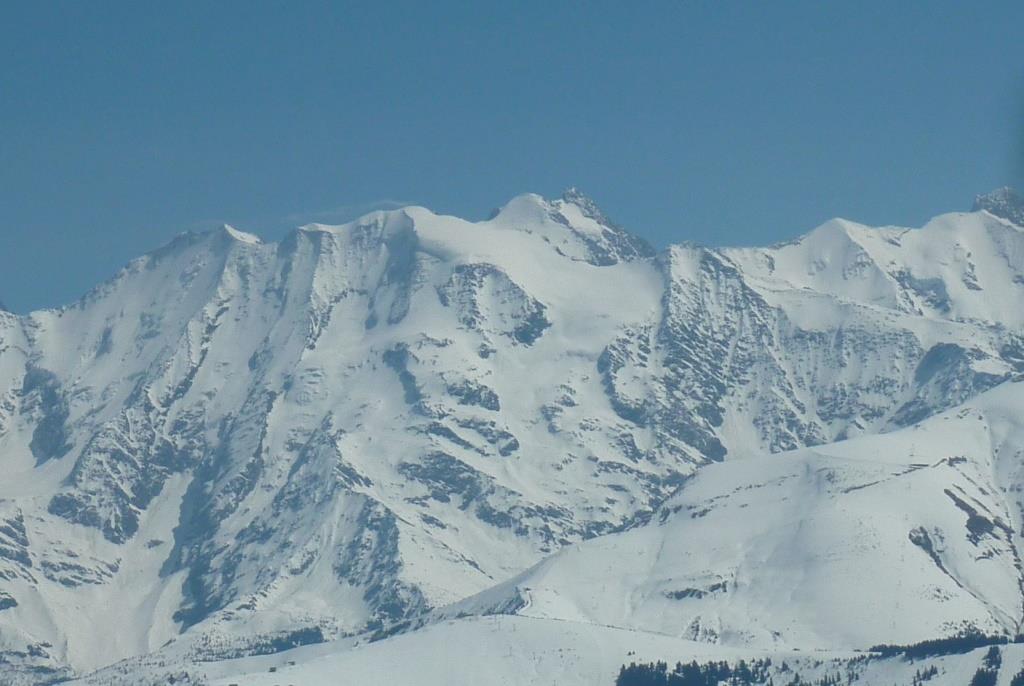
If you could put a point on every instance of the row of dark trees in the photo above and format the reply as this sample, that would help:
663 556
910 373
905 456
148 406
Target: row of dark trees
953 645
757 672
694 674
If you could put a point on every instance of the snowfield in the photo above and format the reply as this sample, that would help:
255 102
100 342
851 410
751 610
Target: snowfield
895 538
522 450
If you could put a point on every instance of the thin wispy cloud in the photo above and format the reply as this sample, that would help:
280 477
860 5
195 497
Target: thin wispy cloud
201 225
343 213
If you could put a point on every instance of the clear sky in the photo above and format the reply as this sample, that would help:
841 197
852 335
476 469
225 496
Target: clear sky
715 122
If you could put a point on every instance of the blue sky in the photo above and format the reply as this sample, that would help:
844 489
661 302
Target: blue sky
715 122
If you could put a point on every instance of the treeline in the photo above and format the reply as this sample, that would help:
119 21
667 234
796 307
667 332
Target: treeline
954 645
755 673
758 672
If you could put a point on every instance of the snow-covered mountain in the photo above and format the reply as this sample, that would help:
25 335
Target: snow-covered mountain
893 538
237 446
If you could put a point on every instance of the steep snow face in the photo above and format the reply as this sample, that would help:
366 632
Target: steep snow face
894 538
574 226
320 435
253 445
964 267
748 358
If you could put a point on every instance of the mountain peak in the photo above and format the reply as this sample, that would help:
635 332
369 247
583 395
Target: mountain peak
609 242
589 208
1004 203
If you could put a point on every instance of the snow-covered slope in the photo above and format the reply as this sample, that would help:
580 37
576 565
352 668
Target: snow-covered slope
509 650
474 650
895 538
516 652
240 446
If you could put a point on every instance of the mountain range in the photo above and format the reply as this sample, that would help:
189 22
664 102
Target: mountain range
525 434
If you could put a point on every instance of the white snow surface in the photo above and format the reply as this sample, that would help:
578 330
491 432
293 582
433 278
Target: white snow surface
905 535
410 422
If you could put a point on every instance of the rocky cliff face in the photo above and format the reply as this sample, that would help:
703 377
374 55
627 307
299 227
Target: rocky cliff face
243 444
